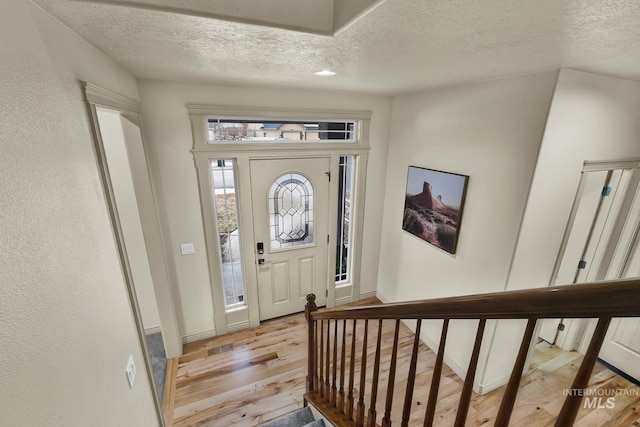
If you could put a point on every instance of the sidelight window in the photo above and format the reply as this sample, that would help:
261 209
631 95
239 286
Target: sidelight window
223 179
344 232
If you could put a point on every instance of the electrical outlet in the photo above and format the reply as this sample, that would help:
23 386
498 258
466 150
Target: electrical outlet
187 249
131 371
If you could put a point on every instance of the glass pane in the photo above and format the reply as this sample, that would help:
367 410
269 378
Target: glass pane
289 215
345 187
226 218
221 130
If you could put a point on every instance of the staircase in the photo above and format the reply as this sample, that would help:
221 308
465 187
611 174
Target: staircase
300 418
343 382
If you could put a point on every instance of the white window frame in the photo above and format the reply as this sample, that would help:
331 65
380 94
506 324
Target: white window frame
282 121
233 306
244 151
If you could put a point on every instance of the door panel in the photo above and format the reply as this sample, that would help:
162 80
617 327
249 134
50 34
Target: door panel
580 230
603 228
621 347
306 270
290 214
280 282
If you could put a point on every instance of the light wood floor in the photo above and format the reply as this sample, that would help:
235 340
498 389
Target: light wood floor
252 376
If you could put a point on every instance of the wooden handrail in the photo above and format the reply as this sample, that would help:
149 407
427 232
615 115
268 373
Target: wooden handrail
601 300
592 300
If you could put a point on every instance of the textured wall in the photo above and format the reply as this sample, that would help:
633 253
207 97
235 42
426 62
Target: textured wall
169 140
490 131
66 325
592 117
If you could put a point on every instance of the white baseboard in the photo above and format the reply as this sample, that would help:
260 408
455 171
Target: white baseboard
152 330
238 326
199 336
368 295
343 300
348 299
459 370
486 388
382 298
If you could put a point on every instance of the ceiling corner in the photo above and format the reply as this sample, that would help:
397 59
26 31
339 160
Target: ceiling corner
347 12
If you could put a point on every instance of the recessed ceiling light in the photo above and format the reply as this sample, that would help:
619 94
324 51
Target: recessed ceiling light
324 73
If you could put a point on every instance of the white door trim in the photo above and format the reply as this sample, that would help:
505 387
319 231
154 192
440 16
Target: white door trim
225 321
242 153
577 332
129 109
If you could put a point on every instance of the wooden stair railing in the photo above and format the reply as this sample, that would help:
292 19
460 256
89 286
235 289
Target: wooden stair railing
327 365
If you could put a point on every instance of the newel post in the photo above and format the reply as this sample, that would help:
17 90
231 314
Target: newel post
308 309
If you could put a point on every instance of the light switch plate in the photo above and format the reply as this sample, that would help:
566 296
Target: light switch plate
131 371
187 249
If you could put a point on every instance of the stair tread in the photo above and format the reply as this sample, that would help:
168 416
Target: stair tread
300 418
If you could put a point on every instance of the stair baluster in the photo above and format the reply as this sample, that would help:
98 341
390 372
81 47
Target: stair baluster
352 364
371 420
386 420
571 404
363 377
325 391
316 358
327 381
467 388
511 391
320 360
435 378
334 387
411 378
342 367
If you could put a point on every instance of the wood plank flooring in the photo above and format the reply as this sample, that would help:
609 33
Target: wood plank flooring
252 376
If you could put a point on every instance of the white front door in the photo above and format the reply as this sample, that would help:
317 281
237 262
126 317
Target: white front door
290 200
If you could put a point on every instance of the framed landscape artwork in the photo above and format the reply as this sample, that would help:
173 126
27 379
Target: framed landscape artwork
433 206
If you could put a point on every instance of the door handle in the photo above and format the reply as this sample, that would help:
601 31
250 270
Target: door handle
262 261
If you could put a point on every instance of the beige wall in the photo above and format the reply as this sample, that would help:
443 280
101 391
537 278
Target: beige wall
592 118
492 132
67 328
514 218
169 140
67 324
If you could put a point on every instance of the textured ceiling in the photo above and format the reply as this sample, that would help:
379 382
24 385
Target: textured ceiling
399 46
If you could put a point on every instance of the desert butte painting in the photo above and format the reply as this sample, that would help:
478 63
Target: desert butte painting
432 207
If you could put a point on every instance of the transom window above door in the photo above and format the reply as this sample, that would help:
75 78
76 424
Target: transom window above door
226 130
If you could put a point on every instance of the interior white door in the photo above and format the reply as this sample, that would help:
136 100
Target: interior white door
581 228
596 255
290 199
621 347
